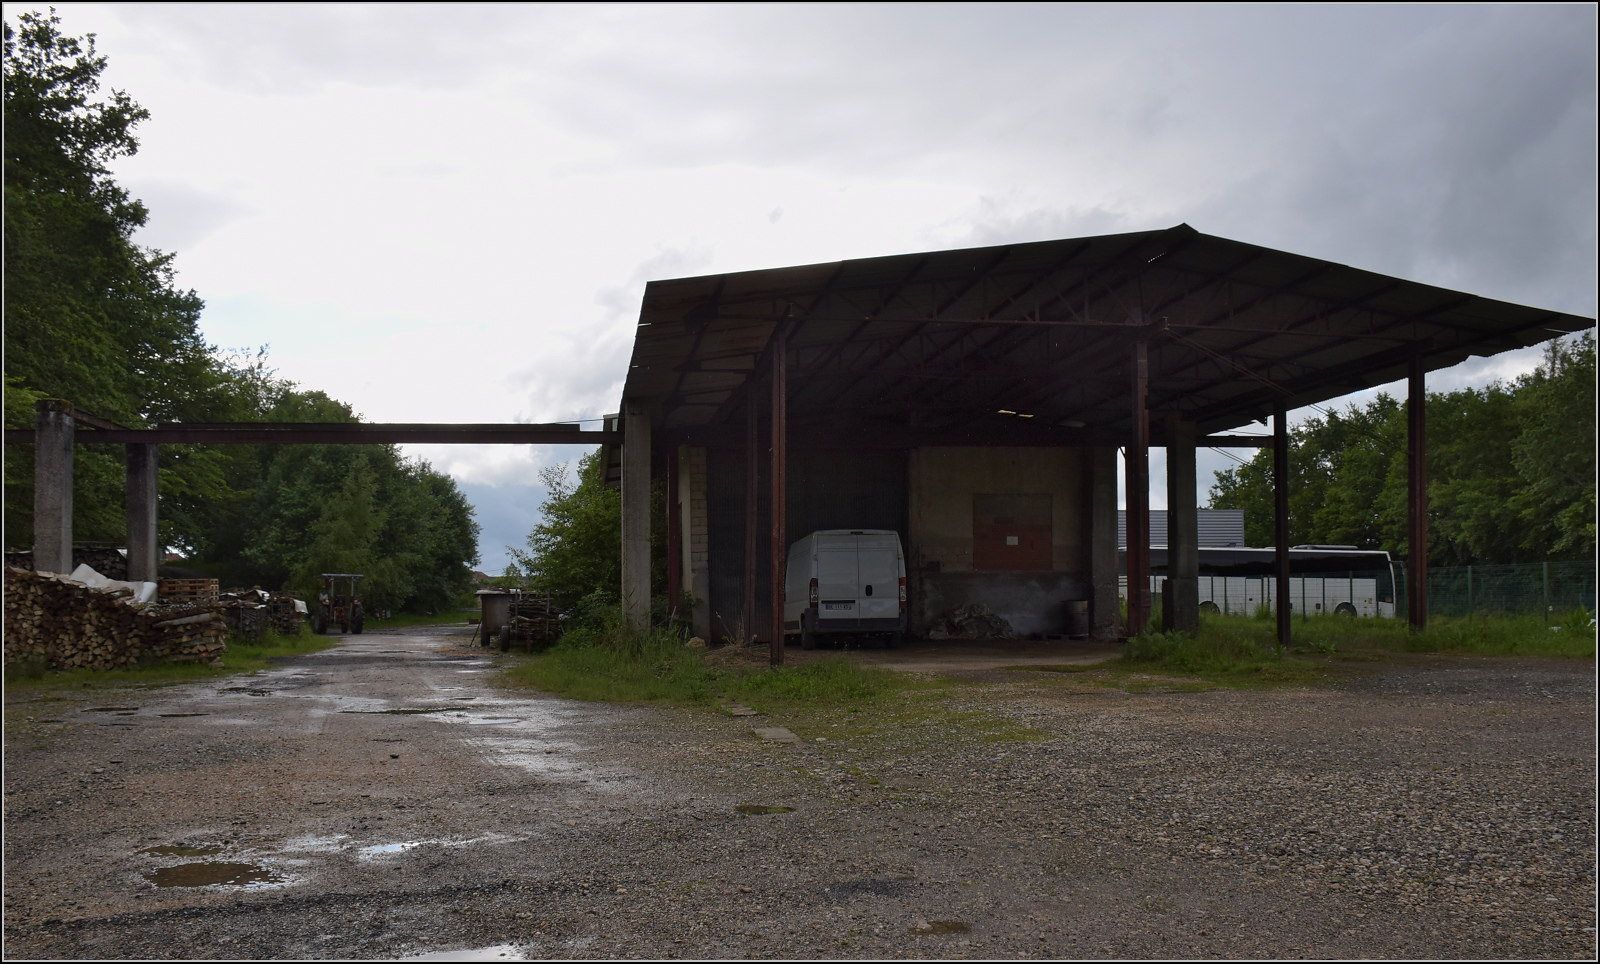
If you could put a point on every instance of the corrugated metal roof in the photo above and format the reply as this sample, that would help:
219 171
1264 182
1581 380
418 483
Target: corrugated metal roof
1218 527
942 341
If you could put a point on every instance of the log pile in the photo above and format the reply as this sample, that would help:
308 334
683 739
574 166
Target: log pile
71 626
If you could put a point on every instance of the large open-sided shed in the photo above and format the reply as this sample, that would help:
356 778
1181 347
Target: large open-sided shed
902 391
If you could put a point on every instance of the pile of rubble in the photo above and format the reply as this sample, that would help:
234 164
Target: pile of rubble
86 621
972 621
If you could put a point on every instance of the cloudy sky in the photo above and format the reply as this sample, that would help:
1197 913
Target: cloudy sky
448 213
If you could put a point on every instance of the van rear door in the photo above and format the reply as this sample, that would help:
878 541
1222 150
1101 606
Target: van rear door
837 582
878 569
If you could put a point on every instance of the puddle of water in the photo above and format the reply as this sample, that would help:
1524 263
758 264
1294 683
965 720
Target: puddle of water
381 850
942 927
499 952
172 715
209 873
493 719
109 709
405 712
173 850
754 809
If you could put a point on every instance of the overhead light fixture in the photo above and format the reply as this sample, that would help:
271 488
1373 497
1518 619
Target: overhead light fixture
1007 411
1020 415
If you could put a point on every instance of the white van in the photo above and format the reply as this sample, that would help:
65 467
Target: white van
846 581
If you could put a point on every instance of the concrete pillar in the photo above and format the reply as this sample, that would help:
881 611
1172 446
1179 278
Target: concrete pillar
143 551
1180 607
52 485
1105 619
636 514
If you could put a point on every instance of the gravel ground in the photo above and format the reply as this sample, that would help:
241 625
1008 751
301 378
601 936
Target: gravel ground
382 800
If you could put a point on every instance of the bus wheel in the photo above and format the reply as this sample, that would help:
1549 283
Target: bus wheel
1210 608
1344 609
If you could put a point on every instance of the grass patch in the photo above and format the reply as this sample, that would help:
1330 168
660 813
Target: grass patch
241 657
1240 651
1570 634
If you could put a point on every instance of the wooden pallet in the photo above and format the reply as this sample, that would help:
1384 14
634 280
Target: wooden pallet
188 590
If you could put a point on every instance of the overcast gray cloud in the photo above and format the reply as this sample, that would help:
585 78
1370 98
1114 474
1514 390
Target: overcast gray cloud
473 197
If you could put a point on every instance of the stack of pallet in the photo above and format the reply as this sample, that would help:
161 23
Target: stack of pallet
70 626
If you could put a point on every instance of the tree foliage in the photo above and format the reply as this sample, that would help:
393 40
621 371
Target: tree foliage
576 549
1511 470
95 318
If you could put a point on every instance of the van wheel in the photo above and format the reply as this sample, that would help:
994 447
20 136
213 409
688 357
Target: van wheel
894 641
808 639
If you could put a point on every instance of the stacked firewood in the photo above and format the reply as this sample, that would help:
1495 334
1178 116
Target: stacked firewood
71 626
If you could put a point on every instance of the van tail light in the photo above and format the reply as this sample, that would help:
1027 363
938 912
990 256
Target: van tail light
902 593
813 594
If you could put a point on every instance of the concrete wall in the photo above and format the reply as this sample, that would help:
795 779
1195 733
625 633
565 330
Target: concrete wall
942 483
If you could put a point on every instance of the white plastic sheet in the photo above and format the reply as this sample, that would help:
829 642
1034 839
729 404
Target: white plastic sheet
85 575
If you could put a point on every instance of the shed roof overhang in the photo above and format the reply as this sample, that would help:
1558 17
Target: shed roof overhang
1029 343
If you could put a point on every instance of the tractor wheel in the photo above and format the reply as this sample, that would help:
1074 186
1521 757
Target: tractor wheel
319 623
505 638
358 621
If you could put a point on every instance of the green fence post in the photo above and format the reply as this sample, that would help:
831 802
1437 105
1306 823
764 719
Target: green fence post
1545 566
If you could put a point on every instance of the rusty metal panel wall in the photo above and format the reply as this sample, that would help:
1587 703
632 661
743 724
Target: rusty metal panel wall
827 489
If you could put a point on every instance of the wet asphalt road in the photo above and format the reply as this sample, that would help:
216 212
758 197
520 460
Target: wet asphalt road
381 800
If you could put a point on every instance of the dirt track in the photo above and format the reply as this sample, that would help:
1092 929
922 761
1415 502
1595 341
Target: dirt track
389 803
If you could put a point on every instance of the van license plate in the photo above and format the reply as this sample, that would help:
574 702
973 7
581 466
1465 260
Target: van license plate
846 607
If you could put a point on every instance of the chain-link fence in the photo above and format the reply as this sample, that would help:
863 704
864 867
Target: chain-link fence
1528 587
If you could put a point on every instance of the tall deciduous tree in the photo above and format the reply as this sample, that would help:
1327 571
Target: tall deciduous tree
1511 471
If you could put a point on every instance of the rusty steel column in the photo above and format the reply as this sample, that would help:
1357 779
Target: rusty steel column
1138 495
140 493
674 537
780 492
54 426
1280 515
1417 496
747 621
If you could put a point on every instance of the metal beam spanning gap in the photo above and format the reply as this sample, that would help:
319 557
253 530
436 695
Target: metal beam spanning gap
364 433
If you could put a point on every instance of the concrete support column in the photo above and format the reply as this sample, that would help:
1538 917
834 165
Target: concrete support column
675 568
1180 608
52 485
1105 621
143 551
1417 496
636 514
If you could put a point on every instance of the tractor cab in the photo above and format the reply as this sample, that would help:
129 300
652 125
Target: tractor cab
338 604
